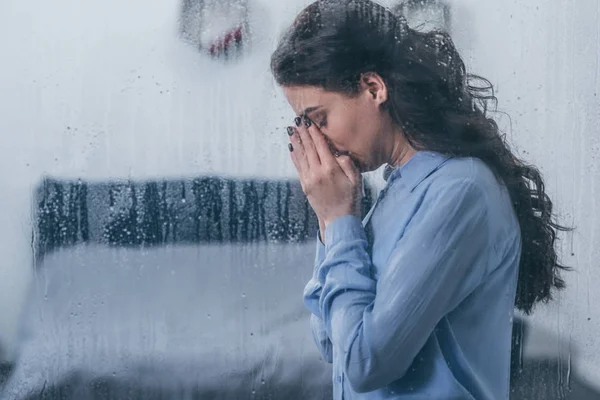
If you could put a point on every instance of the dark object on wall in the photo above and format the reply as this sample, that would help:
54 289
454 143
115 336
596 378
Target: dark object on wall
425 14
219 28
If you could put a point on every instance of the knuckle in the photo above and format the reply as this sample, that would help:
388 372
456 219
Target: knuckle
314 180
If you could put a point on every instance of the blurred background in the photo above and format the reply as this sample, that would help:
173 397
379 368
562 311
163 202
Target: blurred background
154 239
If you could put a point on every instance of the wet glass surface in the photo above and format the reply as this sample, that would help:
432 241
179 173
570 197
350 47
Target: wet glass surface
155 239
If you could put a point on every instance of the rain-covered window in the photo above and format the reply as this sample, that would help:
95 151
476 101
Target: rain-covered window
155 239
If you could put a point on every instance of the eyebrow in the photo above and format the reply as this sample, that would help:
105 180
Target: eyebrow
308 110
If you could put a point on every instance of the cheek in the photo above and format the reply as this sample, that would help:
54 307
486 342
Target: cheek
342 131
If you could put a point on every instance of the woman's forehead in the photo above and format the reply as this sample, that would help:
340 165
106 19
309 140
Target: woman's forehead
308 98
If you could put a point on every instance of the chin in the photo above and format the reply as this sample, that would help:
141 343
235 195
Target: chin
365 170
362 167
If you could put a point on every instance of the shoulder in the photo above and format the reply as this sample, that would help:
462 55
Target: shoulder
460 178
467 171
471 181
470 177
470 184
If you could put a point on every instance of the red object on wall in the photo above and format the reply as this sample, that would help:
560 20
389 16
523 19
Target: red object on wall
231 38
218 28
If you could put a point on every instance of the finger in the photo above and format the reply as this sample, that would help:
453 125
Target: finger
321 146
297 151
294 157
301 174
349 168
312 156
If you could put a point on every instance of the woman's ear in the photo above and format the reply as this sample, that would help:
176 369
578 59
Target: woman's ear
374 84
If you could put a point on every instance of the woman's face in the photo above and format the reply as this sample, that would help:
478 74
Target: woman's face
354 124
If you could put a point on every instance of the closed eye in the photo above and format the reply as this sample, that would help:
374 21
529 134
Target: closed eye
322 120
320 116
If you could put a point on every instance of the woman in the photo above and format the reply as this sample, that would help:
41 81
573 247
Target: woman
416 301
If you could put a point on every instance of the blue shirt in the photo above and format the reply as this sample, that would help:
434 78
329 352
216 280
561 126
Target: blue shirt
416 301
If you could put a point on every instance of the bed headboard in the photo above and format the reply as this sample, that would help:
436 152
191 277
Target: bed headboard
206 209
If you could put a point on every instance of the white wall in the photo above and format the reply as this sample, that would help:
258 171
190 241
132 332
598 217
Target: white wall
104 89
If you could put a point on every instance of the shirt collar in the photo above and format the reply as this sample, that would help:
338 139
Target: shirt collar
416 169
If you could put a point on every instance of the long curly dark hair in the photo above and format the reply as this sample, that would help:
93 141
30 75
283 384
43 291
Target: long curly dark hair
438 106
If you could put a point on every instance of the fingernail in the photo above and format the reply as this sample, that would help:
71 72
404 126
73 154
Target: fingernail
298 121
307 122
290 131
290 147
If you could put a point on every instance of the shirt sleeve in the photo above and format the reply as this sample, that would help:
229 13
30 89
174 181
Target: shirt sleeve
312 294
380 326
